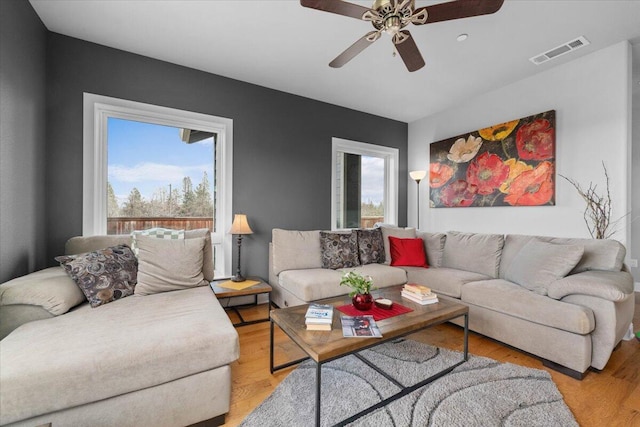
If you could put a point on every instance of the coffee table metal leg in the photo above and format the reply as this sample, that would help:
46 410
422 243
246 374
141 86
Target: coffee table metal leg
318 382
466 337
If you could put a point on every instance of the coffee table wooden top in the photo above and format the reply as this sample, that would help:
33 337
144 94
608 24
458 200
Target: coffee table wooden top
323 346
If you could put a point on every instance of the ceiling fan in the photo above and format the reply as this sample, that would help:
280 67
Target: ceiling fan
392 16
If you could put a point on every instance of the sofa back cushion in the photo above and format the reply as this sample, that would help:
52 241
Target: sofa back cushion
402 233
434 246
539 264
607 255
295 250
478 253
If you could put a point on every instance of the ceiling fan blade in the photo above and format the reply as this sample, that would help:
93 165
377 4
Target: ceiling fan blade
353 50
409 51
336 6
456 10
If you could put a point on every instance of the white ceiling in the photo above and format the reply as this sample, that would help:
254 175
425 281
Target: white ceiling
284 46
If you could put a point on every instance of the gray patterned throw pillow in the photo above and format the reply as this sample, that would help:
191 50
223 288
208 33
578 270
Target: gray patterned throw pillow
371 246
339 250
105 275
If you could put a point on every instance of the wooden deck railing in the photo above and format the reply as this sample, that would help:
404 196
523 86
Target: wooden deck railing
125 225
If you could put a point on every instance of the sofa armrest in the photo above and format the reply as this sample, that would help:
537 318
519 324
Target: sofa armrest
610 285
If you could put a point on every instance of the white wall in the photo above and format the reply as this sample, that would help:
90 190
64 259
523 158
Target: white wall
591 96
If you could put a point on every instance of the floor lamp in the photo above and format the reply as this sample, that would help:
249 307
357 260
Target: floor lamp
239 227
418 176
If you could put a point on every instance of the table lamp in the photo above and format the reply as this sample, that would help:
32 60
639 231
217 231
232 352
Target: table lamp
239 227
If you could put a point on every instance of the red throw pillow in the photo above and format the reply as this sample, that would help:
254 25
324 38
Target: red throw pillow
407 252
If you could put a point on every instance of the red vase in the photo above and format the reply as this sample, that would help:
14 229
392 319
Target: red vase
362 302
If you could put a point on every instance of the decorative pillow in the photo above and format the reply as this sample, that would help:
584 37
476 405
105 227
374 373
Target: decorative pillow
539 264
160 233
370 246
408 252
403 233
339 250
169 265
103 276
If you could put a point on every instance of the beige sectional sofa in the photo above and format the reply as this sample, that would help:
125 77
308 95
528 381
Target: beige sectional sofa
153 360
567 301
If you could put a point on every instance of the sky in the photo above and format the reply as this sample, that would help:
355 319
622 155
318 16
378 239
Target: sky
372 183
149 156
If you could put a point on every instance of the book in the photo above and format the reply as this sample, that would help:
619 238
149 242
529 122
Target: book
417 289
421 297
324 321
325 327
418 300
319 311
360 327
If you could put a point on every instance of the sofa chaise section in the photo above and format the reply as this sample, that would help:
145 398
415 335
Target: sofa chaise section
160 359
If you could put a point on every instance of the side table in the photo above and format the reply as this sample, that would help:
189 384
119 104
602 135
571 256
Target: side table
260 288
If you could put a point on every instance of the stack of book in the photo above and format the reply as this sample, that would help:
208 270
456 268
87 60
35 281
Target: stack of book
319 317
419 293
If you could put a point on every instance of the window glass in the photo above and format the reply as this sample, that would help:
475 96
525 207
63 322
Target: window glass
158 176
364 187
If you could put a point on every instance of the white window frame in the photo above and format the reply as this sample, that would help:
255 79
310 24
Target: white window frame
391 163
98 109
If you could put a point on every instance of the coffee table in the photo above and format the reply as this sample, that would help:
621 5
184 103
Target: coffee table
323 347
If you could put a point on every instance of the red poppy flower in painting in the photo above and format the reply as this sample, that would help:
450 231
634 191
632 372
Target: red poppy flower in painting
487 172
535 140
439 174
458 194
532 188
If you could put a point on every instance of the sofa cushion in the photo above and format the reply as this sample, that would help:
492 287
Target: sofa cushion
82 244
382 275
313 283
434 246
514 300
408 252
294 250
478 253
370 246
339 250
157 232
599 254
539 264
130 344
446 281
402 233
104 275
318 283
51 289
169 265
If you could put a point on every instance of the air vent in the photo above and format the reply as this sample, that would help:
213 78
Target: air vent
559 50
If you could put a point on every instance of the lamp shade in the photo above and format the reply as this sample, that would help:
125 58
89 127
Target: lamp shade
240 225
417 175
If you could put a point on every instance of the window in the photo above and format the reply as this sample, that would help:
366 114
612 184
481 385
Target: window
364 184
148 166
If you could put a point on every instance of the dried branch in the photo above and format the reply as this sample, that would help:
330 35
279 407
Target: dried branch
597 213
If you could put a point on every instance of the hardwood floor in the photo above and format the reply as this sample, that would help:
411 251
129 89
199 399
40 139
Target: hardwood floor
608 398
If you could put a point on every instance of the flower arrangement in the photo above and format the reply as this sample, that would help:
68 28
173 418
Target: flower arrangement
358 283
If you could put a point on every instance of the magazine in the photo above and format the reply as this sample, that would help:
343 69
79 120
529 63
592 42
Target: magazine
360 327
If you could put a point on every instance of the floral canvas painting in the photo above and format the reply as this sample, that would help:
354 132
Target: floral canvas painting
509 164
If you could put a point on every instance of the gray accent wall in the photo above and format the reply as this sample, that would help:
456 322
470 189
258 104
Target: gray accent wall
281 142
22 140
